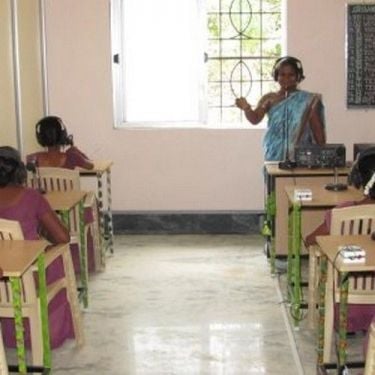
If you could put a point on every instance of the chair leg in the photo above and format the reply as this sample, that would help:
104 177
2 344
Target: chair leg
73 298
98 241
328 317
36 337
3 360
314 255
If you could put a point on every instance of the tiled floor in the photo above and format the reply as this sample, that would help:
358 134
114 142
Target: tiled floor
187 305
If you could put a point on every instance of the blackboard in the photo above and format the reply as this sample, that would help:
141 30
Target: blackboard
360 55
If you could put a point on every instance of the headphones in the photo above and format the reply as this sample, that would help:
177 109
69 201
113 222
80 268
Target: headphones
288 60
363 170
51 131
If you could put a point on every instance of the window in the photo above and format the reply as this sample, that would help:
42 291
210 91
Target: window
182 63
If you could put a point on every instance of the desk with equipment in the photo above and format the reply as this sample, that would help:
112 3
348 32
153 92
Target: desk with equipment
277 201
301 212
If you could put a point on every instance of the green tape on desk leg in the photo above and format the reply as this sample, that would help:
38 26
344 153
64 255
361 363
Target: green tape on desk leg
343 314
47 362
15 283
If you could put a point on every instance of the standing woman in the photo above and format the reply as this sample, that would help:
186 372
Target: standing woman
294 115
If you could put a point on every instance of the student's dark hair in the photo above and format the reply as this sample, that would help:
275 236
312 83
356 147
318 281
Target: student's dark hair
51 131
288 60
363 170
12 169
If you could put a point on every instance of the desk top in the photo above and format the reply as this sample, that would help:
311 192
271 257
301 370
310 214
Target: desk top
100 167
272 168
16 256
64 200
322 197
329 245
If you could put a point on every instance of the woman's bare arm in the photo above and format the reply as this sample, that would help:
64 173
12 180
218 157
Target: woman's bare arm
53 229
254 116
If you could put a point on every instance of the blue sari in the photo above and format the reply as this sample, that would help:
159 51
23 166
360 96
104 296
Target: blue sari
288 120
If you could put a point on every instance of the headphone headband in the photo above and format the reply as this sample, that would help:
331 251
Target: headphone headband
51 131
288 60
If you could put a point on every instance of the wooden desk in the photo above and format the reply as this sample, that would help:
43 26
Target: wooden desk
276 205
69 205
102 168
329 246
322 200
16 257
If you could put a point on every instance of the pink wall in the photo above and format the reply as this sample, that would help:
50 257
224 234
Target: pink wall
187 169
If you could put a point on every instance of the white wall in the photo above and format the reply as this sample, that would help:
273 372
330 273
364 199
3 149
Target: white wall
187 170
24 43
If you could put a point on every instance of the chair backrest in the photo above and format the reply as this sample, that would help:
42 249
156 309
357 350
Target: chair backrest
370 353
10 230
359 219
55 179
353 220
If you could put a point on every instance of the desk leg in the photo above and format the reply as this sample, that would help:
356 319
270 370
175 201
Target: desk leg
83 256
290 253
101 217
294 269
343 319
44 312
321 309
15 283
268 230
109 208
65 217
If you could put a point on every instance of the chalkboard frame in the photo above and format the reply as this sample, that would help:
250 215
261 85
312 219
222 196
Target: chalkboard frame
360 85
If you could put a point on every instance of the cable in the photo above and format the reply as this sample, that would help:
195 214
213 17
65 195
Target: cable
292 341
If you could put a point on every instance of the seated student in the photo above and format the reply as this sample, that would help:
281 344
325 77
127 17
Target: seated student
32 211
362 176
52 134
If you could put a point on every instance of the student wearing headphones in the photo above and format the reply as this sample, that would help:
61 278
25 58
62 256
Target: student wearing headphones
297 112
60 152
37 219
361 176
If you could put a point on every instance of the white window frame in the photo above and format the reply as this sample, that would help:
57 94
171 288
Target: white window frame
117 33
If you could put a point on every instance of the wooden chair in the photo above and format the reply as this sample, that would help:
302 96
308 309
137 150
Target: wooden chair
346 220
370 354
359 219
11 230
63 179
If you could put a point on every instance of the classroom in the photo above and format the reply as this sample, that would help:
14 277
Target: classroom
189 283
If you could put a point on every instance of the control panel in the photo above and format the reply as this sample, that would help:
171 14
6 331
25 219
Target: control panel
330 155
